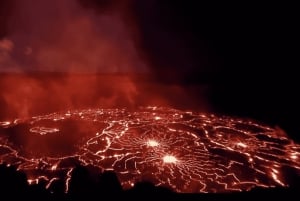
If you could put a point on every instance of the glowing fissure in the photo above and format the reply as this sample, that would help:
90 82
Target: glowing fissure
44 130
185 151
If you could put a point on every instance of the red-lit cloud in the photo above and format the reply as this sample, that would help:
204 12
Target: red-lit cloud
62 36
90 43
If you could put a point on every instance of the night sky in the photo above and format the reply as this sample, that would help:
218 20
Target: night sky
246 53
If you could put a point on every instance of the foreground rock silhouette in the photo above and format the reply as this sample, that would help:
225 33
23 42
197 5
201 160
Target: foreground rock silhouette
87 184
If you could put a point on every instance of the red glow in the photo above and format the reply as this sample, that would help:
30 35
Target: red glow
59 57
152 143
25 95
62 36
169 159
185 151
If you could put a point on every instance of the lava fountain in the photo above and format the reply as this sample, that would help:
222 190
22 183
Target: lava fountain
182 150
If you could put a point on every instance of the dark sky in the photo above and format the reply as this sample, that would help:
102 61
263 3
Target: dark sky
189 38
245 52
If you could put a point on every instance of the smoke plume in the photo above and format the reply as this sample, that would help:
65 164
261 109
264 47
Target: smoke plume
70 54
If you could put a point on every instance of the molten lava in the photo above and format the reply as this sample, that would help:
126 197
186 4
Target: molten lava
169 159
185 151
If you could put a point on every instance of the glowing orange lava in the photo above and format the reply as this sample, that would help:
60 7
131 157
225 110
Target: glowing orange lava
184 151
169 159
152 143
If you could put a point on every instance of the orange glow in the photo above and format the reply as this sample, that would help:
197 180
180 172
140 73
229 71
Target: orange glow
152 143
32 181
275 177
294 155
47 93
241 144
54 167
157 118
44 130
181 150
169 159
5 123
